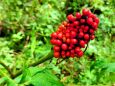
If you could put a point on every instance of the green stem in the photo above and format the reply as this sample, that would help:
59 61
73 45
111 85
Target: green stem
43 59
7 68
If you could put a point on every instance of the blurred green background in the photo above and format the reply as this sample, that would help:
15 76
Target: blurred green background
25 28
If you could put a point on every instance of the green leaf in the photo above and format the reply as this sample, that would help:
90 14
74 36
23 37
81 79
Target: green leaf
45 78
3 79
111 67
11 83
25 76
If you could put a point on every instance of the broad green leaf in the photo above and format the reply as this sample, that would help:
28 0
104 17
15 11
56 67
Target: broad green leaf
45 78
111 67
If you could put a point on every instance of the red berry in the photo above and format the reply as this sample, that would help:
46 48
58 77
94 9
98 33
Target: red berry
64 39
71 46
58 42
63 54
86 36
81 30
68 41
71 17
77 27
82 26
72 55
92 37
90 21
53 41
64 46
56 54
91 31
86 28
73 34
80 54
85 12
77 49
81 34
76 23
67 53
67 35
82 43
74 41
86 41
78 15
56 48
91 15
72 51
67 30
54 35
94 25
60 35
96 20
82 20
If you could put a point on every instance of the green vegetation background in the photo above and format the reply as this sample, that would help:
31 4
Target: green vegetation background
25 28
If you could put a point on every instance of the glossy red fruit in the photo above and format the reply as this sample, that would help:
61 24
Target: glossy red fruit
56 48
74 41
68 53
68 41
89 21
80 54
72 51
82 26
96 20
56 54
58 42
72 55
60 36
71 46
63 54
85 12
80 30
82 43
81 34
67 35
77 49
78 15
64 46
86 41
91 15
91 31
94 25
54 35
53 41
71 17
73 34
76 23
86 28
77 27
92 37
82 20
86 36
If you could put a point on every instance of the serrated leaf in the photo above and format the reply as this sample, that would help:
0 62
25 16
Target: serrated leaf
45 78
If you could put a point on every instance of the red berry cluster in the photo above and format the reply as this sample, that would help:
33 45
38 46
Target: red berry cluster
74 34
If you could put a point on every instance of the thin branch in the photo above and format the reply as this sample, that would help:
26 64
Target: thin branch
7 68
43 59
85 48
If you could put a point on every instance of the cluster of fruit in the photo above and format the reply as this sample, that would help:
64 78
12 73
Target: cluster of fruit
74 34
